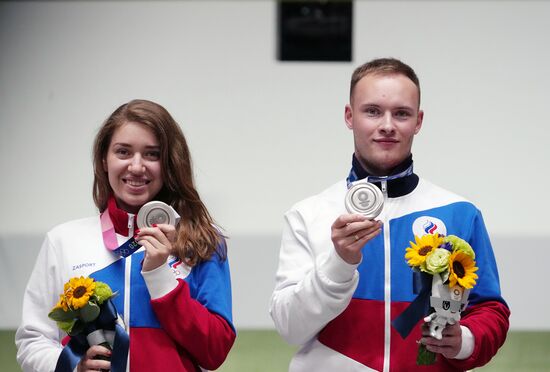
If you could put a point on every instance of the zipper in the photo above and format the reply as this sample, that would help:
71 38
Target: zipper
387 282
127 275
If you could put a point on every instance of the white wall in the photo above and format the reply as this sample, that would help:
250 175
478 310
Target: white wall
265 134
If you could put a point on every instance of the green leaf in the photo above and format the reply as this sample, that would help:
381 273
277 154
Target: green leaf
89 312
66 326
445 276
59 315
424 356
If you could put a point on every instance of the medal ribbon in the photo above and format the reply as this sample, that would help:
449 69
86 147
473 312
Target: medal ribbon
110 240
352 177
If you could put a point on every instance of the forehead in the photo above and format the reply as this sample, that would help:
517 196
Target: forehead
133 132
394 89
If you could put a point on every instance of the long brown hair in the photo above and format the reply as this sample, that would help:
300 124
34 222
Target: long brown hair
197 236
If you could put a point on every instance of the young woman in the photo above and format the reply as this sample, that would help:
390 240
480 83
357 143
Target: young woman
174 293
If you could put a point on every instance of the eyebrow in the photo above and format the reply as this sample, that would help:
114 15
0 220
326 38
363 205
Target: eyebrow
128 145
404 108
366 105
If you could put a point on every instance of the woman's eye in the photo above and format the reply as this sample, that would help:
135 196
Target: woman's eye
153 155
122 151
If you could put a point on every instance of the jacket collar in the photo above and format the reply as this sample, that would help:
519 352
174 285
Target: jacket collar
402 182
120 218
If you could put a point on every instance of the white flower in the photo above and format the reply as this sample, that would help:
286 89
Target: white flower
437 261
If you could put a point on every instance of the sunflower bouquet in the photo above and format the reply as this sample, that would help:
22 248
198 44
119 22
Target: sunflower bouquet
79 310
450 261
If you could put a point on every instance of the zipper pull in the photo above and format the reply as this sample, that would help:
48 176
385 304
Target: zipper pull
384 185
130 224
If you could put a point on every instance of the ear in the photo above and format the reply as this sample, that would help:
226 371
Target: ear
419 120
104 161
348 116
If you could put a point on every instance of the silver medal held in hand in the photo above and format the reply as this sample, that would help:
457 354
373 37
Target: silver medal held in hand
156 212
364 198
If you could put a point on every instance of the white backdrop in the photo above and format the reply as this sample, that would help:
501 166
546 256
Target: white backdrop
265 134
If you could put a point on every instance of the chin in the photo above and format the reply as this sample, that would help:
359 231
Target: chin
135 204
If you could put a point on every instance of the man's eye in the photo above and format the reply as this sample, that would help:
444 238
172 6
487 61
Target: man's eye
372 111
402 114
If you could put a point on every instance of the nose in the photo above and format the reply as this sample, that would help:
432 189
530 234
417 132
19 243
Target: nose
386 123
136 164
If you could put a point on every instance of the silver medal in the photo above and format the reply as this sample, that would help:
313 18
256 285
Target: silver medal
156 212
364 198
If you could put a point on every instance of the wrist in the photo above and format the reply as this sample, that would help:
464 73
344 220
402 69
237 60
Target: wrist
159 281
467 345
351 258
335 268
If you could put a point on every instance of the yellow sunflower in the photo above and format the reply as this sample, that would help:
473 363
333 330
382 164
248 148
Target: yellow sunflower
62 303
462 270
78 291
417 253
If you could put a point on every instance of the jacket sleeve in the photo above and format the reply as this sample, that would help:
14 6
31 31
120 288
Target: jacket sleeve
38 338
311 288
196 312
487 317
488 322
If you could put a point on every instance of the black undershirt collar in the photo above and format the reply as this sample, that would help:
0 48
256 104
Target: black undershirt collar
395 187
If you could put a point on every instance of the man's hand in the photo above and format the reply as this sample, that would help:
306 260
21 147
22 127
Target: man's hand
449 346
350 232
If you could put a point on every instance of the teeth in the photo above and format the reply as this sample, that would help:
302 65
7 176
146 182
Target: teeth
135 183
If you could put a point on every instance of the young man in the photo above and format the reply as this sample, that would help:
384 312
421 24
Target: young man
343 278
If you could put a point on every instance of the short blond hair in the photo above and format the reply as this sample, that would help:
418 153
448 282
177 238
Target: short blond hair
384 66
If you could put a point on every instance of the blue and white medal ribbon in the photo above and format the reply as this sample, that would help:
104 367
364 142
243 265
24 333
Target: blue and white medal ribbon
352 177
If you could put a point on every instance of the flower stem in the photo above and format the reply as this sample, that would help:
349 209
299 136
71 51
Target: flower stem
424 356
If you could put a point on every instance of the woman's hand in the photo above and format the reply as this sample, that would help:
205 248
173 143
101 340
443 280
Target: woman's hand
350 232
158 243
88 363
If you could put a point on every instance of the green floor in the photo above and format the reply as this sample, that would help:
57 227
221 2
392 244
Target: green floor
264 351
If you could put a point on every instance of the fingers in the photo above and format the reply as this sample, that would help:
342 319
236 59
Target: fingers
452 330
348 225
157 242
449 345
350 232
449 350
164 233
346 219
88 363
169 231
159 237
361 237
